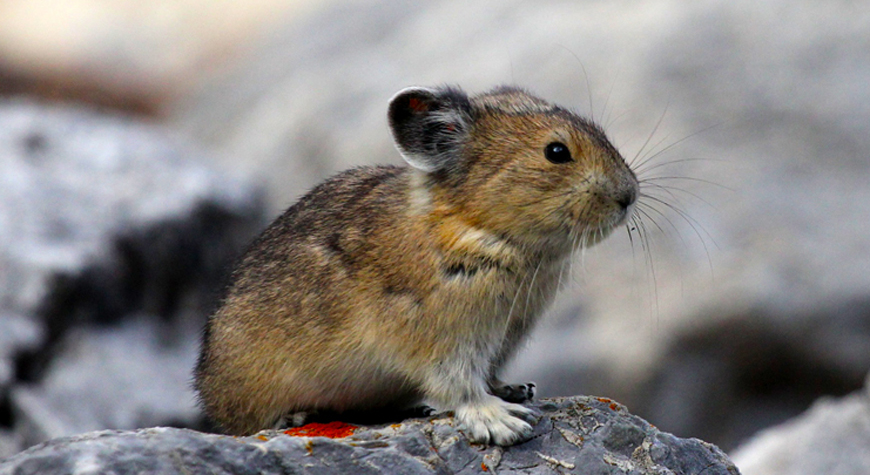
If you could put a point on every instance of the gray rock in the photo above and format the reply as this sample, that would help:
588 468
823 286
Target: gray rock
732 377
75 181
831 437
121 377
113 239
10 443
575 435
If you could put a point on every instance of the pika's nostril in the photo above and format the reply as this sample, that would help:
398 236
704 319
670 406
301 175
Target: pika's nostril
627 198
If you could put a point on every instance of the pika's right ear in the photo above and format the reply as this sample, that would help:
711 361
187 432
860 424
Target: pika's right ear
430 125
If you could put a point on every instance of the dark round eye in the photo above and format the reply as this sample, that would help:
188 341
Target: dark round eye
557 152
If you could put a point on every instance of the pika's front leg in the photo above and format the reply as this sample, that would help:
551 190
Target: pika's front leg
484 418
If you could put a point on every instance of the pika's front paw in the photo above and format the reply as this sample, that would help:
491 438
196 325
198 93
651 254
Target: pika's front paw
492 420
517 393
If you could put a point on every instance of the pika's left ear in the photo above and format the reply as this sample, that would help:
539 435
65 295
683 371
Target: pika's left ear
429 125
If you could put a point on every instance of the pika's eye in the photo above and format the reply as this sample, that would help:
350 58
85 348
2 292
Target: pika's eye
557 152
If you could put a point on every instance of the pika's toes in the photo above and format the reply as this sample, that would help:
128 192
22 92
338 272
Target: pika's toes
526 391
507 435
294 419
421 411
516 393
496 421
527 414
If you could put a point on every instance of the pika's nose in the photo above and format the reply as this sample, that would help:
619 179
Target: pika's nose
627 197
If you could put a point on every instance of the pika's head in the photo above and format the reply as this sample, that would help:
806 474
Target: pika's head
515 165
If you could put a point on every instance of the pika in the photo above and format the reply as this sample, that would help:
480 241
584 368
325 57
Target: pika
391 286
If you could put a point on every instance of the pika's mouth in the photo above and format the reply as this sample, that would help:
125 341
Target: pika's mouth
593 231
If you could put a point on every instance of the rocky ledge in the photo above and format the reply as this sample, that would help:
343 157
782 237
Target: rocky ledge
581 434
114 237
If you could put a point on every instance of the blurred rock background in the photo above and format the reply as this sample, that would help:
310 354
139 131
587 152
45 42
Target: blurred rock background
747 300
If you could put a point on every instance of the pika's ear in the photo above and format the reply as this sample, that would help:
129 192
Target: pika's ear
430 125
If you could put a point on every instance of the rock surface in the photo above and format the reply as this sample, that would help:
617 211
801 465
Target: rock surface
832 437
113 240
576 435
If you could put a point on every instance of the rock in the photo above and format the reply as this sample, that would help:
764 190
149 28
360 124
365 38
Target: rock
19 333
734 376
764 101
113 240
831 437
10 443
121 377
575 435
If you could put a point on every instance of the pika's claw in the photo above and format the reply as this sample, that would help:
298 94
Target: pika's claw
495 421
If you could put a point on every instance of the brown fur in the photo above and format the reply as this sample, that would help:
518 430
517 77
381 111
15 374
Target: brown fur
388 286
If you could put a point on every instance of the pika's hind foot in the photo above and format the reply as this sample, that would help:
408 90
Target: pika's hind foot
294 419
495 421
516 393
419 412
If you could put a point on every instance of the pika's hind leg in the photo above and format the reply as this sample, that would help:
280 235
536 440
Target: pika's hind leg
516 393
364 417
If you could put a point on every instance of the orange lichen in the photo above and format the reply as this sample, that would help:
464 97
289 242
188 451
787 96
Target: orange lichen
484 467
610 402
331 430
262 437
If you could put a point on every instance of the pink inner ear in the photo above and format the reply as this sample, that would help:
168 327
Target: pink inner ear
417 105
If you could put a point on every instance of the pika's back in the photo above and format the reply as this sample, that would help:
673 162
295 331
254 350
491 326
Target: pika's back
355 202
